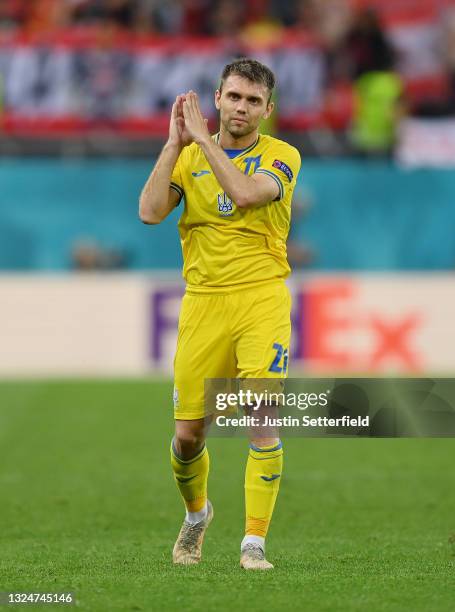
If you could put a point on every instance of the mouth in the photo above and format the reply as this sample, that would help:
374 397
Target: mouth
239 120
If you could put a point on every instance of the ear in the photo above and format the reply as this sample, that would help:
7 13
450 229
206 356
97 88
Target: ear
217 99
269 110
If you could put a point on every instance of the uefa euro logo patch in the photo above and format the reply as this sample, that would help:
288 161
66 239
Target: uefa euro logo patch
284 168
225 207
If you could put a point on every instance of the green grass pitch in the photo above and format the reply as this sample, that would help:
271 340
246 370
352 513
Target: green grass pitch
87 504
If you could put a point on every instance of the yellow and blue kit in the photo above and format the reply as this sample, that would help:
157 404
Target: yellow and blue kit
235 316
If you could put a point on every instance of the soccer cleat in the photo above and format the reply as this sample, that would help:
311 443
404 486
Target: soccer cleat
188 547
253 557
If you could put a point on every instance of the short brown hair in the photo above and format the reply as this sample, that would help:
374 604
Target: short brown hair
252 70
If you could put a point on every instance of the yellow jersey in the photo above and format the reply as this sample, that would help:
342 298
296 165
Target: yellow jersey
223 246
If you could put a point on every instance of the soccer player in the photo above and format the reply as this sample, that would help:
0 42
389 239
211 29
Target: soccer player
235 317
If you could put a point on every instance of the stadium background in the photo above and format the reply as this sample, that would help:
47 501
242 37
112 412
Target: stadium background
90 297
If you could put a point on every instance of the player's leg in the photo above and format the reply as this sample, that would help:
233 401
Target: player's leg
190 465
203 351
262 353
262 481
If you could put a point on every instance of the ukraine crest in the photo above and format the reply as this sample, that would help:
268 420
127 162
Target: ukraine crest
225 206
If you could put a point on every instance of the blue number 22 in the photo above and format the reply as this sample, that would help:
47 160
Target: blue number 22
280 353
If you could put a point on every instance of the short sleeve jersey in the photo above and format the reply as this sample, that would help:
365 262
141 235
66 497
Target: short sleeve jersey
225 246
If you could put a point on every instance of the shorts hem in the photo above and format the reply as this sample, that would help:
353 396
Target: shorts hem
188 415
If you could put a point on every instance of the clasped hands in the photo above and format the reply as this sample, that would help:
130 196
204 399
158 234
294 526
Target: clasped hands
187 122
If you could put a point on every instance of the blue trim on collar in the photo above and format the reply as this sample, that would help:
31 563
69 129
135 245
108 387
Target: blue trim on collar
231 153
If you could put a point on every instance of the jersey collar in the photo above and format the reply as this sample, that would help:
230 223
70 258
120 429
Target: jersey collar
241 151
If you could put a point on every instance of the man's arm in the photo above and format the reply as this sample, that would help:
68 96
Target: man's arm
158 198
245 191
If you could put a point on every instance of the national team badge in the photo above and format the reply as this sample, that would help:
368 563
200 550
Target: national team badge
225 206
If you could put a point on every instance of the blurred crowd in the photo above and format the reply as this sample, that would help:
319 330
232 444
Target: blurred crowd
189 17
353 39
356 79
329 19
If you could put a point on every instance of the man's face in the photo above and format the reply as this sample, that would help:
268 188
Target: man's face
242 105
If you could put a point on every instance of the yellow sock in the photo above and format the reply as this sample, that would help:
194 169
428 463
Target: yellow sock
191 478
262 482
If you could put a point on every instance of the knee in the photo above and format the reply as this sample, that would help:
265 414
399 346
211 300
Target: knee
188 443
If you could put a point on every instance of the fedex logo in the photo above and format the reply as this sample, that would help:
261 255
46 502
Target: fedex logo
338 325
335 328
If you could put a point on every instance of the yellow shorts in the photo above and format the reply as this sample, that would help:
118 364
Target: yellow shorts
242 334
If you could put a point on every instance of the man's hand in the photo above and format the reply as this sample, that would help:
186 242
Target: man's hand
195 123
178 133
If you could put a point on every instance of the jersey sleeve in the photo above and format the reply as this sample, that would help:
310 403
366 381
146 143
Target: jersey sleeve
282 163
176 179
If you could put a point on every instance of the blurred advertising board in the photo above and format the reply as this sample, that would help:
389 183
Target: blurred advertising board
126 325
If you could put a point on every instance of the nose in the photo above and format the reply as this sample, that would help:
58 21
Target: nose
241 106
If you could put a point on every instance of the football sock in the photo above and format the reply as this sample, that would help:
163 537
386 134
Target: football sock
262 482
191 476
252 539
196 517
